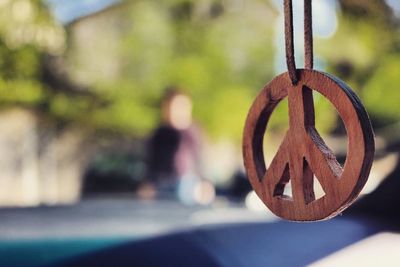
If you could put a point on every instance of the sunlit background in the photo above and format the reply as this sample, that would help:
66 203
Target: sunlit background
123 119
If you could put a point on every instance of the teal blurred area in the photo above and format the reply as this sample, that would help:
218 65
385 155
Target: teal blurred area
44 252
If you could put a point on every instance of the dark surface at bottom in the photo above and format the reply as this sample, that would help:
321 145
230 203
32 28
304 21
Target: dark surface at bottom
242 245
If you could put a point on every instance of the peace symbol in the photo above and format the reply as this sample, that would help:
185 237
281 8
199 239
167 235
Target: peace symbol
304 153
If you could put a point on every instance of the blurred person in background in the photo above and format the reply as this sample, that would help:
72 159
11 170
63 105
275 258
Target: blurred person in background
174 154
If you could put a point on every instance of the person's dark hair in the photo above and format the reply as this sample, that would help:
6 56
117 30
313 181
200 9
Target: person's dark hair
170 93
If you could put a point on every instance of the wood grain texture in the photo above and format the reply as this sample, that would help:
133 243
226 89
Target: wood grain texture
303 153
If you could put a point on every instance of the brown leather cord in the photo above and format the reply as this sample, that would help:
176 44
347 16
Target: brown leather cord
289 40
308 35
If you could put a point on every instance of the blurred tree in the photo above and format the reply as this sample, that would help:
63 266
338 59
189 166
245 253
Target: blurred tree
363 52
30 41
27 31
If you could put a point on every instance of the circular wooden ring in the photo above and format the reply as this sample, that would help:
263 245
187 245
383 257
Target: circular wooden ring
304 153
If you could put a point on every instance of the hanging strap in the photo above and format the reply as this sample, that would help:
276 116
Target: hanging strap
289 40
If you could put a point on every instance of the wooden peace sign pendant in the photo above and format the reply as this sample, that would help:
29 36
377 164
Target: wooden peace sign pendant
303 153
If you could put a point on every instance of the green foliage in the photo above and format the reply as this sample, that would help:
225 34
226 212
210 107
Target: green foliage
21 92
381 94
128 111
27 32
364 52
